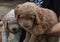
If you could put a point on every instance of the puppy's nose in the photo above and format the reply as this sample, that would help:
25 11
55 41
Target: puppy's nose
14 29
26 25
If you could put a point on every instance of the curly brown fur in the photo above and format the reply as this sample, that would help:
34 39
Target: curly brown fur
35 20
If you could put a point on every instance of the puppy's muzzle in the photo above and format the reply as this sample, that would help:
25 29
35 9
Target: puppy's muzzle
14 29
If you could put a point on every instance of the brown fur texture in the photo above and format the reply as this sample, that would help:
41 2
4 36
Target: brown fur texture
42 21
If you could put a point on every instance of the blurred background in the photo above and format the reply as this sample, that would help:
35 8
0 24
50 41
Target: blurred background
7 5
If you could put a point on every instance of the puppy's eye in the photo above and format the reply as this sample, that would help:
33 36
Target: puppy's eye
21 17
33 16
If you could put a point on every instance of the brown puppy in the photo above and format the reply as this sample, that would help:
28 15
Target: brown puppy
35 20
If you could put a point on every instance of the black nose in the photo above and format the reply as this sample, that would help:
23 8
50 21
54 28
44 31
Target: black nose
14 29
26 25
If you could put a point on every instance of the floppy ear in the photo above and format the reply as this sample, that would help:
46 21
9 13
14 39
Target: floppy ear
38 18
16 11
5 25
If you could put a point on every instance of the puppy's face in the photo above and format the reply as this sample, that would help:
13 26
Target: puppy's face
13 27
27 16
26 21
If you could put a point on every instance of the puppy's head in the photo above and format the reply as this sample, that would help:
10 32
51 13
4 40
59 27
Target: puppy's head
31 17
9 22
26 21
26 15
13 27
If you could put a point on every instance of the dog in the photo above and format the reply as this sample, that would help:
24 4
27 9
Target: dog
35 20
10 26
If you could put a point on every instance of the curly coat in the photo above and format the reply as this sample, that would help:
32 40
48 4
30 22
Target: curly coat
44 20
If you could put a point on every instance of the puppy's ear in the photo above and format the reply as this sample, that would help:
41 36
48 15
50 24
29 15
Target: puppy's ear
17 8
16 11
39 17
37 20
18 5
5 25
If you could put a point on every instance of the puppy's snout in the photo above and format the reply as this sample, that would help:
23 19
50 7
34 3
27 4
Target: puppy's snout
14 29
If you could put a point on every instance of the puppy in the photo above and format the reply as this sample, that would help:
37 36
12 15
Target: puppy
35 20
10 26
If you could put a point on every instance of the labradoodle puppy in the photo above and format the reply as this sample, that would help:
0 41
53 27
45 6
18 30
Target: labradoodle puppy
10 26
35 20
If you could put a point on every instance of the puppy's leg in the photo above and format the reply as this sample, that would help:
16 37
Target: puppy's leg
17 37
5 36
28 35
